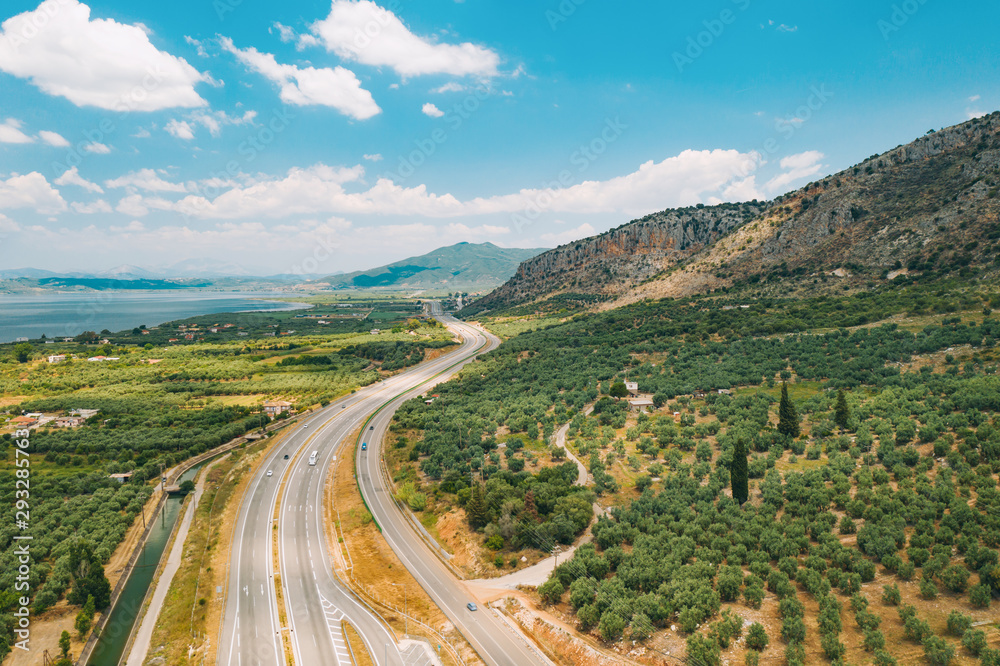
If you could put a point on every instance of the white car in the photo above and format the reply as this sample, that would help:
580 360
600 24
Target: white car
270 472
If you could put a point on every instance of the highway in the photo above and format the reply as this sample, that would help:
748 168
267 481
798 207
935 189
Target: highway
315 600
496 642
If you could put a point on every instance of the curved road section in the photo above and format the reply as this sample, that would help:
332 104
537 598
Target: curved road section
496 641
314 600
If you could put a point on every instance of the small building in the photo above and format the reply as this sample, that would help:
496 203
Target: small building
21 340
725 392
274 407
189 336
57 358
84 413
70 421
24 421
698 395
173 340
213 330
376 331
641 405
123 477
632 388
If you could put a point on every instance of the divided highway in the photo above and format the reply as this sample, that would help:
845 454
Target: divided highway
496 642
315 600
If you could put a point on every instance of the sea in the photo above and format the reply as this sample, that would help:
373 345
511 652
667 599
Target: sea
62 315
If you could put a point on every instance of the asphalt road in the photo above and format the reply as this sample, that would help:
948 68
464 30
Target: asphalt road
496 642
316 601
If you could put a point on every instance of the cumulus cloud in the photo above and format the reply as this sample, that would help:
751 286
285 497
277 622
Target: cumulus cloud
686 179
99 206
180 129
100 62
364 32
375 157
97 148
797 167
30 191
556 239
10 132
53 139
337 88
73 177
432 111
145 179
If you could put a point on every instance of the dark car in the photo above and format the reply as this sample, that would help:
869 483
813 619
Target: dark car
471 606
364 446
286 456
371 427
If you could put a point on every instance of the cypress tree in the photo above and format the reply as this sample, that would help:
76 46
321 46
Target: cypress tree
475 509
738 474
788 417
842 413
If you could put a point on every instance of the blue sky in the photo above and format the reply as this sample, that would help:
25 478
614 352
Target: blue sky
310 136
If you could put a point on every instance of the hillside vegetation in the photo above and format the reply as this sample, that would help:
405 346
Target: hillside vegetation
928 208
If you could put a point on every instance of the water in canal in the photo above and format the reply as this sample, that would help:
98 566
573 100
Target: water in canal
116 632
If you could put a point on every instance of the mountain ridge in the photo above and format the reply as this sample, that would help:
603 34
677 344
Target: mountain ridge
459 267
927 206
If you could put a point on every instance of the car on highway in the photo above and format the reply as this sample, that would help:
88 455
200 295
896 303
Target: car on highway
371 427
471 606
305 425
269 472
364 446
286 456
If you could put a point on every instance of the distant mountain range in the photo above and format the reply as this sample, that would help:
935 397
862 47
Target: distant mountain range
461 267
931 206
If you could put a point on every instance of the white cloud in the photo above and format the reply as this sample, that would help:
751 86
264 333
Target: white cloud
364 32
432 111
687 179
53 139
285 33
374 158
31 191
971 113
554 240
143 133
145 179
975 98
449 87
10 132
180 129
99 62
99 206
97 148
338 88
8 225
213 121
73 177
797 167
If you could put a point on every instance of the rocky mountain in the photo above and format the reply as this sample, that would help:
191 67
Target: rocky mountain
461 267
613 263
928 206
